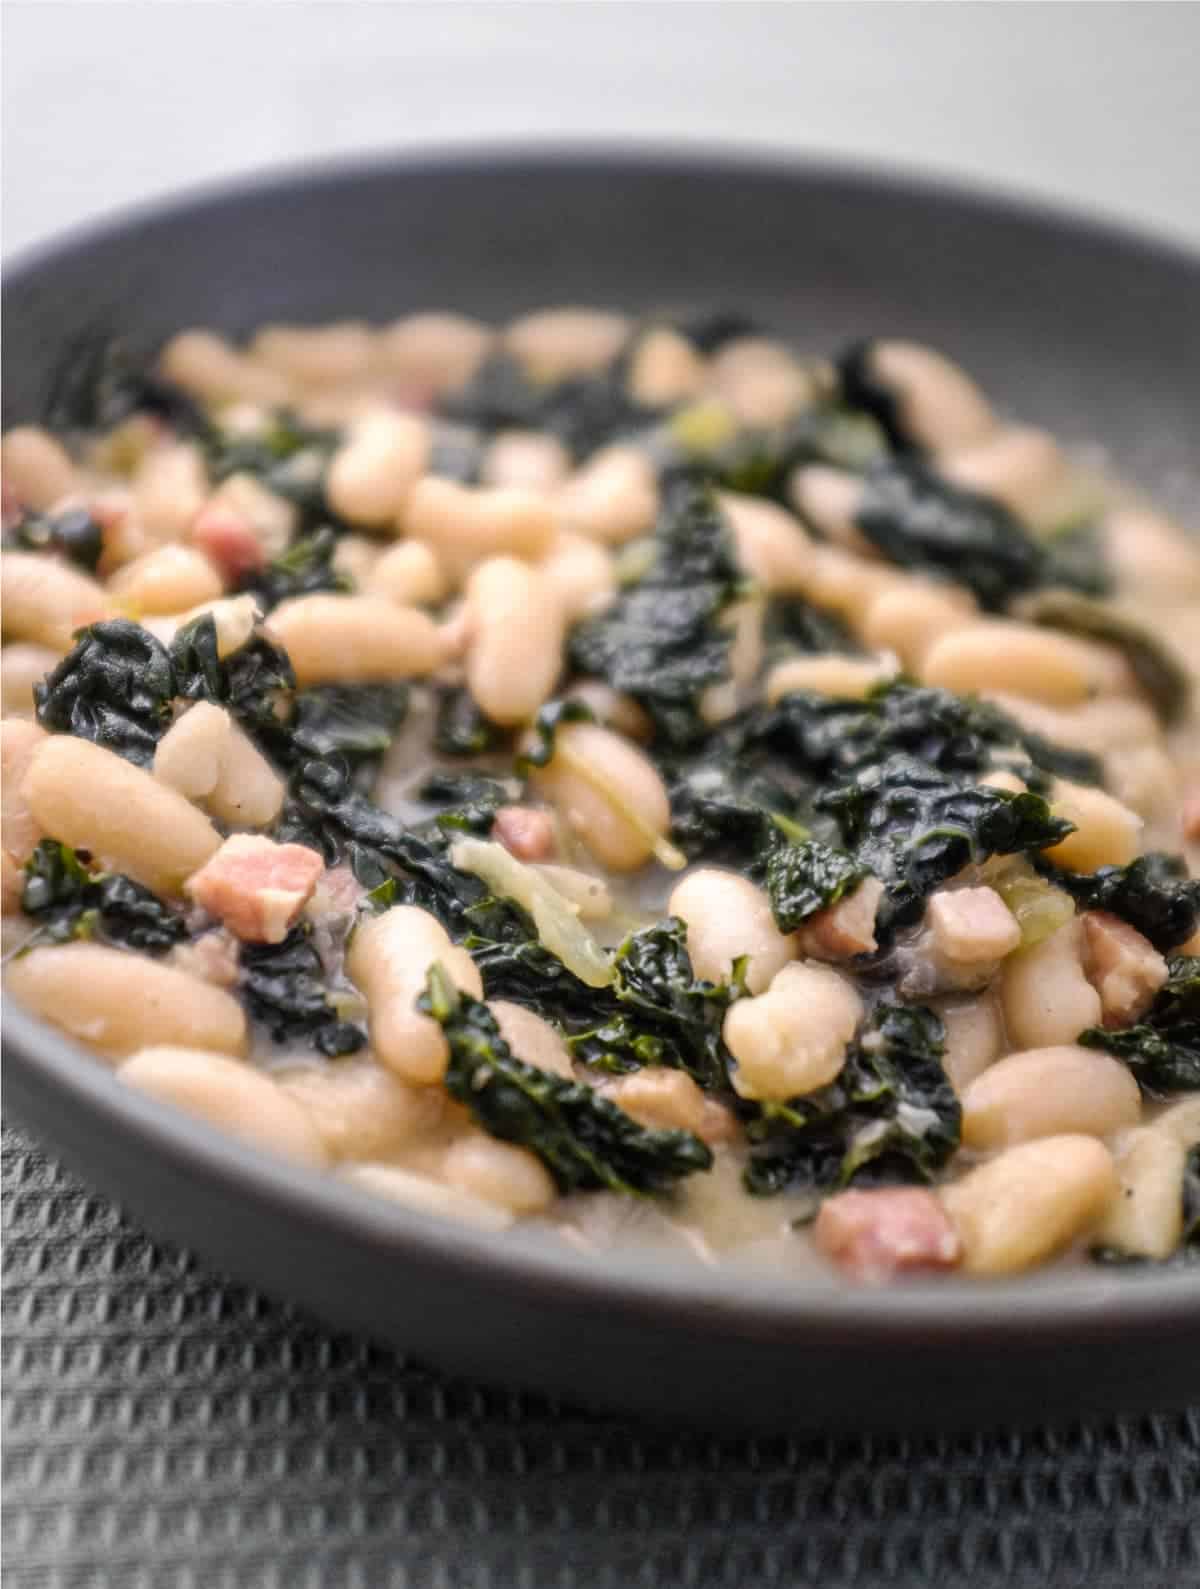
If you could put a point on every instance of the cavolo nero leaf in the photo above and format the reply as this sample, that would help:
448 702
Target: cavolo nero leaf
914 828
890 1115
920 521
1152 893
461 729
284 987
114 687
584 1140
354 721
661 639
304 569
1163 1049
255 682
803 878
68 901
73 533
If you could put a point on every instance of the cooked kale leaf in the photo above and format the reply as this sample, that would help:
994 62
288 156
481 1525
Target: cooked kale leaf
73 533
1163 1049
305 569
354 721
255 682
287 456
113 687
461 729
100 383
68 901
661 640
890 1115
1153 893
284 988
920 521
471 798
804 878
864 389
585 1141
914 827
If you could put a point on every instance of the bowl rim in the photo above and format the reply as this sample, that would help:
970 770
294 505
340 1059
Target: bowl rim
1016 1313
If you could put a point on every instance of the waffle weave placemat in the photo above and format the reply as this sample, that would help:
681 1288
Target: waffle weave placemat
164 1429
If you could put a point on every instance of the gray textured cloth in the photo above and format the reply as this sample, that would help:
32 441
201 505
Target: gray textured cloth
165 1430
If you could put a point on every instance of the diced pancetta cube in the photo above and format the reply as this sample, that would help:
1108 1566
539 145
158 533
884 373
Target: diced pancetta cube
844 929
525 832
229 540
1124 967
970 925
256 887
876 1234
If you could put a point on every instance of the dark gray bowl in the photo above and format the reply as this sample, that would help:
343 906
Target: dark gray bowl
1079 327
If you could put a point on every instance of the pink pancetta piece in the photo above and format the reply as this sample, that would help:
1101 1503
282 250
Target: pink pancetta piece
229 541
970 925
880 1233
844 929
255 886
525 832
1124 967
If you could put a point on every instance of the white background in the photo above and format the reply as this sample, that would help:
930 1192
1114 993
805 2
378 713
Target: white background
1095 105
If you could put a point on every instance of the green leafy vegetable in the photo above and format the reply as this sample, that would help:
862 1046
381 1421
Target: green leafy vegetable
100 382
355 721
890 1115
1153 893
864 389
73 533
68 901
661 640
303 570
914 827
585 1141
255 682
287 457
1163 1049
113 687
807 877
473 799
1159 672
461 729
284 987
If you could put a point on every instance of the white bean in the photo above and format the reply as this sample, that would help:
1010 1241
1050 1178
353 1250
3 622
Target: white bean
168 579
744 658
231 1096
1047 999
270 518
45 601
1036 663
1182 1122
93 799
841 677
205 364
729 917
556 343
761 381
608 793
1029 1202
849 585
663 1099
21 667
531 459
388 960
792 1039
974 1038
773 547
1023 468
362 1110
117 1002
829 499
1145 1218
374 470
941 405
912 617
531 1038
465 524
664 368
358 556
498 1172
582 574
518 628
206 756
434 352
426 1195
19 742
1106 832
1046 1092
37 468
355 639
613 497
169 489
409 573
330 355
